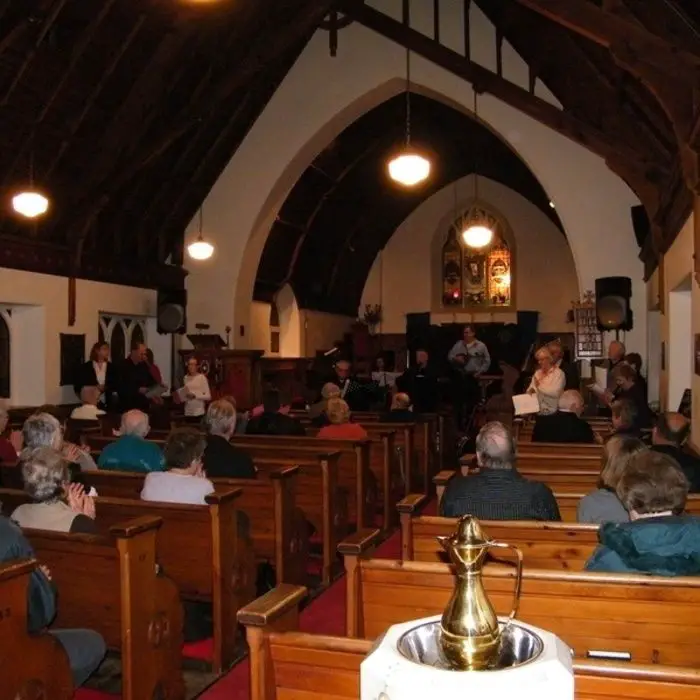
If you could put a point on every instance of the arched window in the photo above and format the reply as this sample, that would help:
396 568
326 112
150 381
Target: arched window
477 278
120 332
5 354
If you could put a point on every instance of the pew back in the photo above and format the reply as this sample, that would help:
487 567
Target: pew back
650 618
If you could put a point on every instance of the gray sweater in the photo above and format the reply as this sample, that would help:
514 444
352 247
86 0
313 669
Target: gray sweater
601 506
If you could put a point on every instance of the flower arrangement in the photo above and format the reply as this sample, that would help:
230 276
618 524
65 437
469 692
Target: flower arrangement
373 314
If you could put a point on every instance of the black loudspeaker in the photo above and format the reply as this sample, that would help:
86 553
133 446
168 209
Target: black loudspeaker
612 303
172 311
641 224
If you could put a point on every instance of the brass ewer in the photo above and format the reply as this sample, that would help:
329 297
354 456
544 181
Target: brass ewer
470 637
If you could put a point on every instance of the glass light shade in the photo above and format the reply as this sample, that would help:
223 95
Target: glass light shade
477 235
409 168
200 250
30 204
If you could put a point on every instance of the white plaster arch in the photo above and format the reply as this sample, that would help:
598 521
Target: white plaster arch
290 323
322 95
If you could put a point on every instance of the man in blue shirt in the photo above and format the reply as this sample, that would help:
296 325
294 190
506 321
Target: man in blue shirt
132 452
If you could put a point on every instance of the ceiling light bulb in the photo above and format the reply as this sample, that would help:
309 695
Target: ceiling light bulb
477 235
30 204
409 168
200 250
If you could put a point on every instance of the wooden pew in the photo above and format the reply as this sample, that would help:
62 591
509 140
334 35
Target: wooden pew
113 586
269 502
560 546
651 618
353 464
200 548
558 449
286 664
31 665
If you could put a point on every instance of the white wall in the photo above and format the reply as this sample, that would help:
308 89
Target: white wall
406 277
680 353
40 313
322 95
290 323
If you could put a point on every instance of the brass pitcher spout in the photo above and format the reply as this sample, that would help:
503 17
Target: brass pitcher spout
470 636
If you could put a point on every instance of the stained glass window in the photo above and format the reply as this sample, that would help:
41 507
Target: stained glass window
477 278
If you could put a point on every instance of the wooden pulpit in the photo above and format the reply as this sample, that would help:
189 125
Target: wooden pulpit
230 372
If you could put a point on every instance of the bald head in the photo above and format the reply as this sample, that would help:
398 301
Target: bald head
571 402
494 447
401 402
616 351
671 429
135 423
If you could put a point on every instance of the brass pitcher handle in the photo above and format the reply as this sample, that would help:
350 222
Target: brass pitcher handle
518 580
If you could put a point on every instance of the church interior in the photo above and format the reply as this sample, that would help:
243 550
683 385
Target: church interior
309 309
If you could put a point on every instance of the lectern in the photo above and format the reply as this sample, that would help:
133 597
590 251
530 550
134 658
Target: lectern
230 372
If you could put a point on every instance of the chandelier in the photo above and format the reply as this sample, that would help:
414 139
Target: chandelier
477 233
30 204
408 167
200 249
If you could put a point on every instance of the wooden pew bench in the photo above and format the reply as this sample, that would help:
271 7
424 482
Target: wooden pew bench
651 618
557 449
559 546
27 660
199 548
111 584
353 465
286 664
269 502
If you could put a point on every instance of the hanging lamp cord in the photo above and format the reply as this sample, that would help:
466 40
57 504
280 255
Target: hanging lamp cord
408 97
476 147
201 223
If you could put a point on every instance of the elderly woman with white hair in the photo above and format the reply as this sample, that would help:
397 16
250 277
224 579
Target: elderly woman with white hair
221 458
43 429
317 412
132 452
566 425
57 504
547 383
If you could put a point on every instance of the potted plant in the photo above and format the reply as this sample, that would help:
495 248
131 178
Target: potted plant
372 317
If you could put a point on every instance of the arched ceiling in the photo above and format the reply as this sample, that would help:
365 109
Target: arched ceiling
344 208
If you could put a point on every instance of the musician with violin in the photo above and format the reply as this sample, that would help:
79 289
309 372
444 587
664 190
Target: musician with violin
469 359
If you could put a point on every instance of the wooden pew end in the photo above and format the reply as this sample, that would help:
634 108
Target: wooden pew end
413 503
359 542
273 605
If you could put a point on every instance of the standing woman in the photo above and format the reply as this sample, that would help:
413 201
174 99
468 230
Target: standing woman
98 371
547 383
196 390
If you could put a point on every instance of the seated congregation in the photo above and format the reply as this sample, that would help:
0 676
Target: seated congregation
236 517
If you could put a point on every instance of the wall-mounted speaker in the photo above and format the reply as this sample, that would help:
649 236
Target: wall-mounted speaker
612 302
172 311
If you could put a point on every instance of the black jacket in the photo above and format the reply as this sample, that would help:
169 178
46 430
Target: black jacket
636 394
570 371
85 376
131 378
421 384
223 460
399 415
41 603
562 427
687 462
270 423
499 494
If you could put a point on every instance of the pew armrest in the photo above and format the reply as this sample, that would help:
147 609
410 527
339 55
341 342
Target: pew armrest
442 478
285 473
134 527
412 503
359 542
219 497
271 606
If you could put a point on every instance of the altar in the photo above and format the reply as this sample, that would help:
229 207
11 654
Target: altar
230 372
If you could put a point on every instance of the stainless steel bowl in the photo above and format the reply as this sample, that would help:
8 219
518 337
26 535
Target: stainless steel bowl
518 646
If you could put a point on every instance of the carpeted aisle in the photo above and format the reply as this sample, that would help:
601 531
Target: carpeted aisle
326 615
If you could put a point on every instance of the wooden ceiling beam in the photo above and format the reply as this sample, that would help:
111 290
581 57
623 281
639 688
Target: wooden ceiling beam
638 169
43 32
611 31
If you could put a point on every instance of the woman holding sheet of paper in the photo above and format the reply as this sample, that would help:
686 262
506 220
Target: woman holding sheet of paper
195 392
547 383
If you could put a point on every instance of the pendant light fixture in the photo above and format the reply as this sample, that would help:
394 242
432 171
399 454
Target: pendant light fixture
476 232
30 203
408 167
200 249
